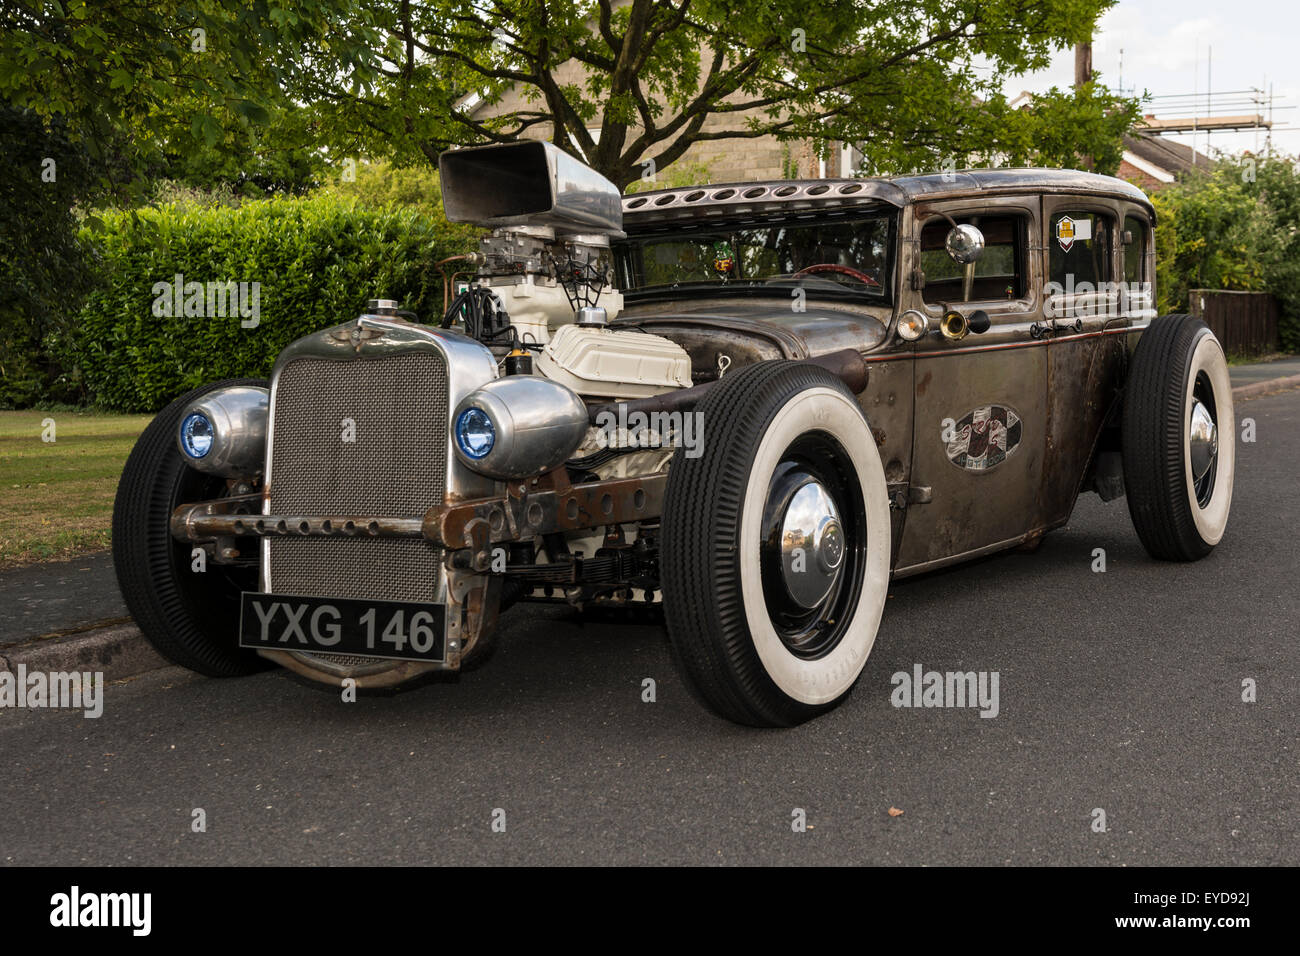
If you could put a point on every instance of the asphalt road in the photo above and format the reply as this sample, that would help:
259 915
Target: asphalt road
1119 690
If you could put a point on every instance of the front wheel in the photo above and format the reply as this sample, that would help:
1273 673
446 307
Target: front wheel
1178 439
775 548
188 612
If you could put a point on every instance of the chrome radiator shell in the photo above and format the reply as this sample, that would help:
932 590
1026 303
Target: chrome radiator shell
390 385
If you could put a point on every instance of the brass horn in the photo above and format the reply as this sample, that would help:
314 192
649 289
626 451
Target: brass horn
954 326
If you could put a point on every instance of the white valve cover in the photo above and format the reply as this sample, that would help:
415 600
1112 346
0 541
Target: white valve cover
603 363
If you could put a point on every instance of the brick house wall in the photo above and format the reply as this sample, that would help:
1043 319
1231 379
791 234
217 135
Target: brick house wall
727 160
1144 181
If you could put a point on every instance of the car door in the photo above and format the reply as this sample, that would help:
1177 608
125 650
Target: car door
979 431
1087 314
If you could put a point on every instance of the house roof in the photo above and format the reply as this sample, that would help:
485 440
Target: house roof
1167 154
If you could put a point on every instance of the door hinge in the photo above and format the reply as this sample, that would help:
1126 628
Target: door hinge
901 495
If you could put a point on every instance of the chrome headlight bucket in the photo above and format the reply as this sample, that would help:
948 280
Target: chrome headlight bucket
224 432
518 426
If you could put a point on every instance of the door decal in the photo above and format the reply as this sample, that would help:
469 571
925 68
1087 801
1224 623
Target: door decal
984 437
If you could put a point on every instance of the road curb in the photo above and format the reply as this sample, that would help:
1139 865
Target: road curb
121 651
116 652
1256 389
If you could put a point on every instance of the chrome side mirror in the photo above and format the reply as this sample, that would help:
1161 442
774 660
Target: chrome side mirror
965 244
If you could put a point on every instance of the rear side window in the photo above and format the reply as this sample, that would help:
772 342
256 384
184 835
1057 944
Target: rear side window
999 272
1080 244
1135 249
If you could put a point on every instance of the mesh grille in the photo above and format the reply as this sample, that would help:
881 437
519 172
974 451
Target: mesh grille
382 569
395 466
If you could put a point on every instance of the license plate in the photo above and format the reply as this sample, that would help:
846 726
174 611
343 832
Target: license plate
400 630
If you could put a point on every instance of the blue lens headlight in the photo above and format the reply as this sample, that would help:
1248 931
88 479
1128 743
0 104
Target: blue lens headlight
475 433
196 435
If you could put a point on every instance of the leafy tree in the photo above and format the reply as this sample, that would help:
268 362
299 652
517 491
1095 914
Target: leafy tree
252 160
1079 128
143 67
912 80
681 174
118 92
270 96
43 266
1236 226
1273 236
377 184
1203 224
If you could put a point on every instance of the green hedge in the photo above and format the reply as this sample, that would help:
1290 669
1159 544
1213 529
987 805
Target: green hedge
1235 226
317 260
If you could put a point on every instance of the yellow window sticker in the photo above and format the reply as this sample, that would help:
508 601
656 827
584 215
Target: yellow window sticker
1068 231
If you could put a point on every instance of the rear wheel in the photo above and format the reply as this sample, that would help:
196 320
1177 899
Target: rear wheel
776 540
190 617
1178 439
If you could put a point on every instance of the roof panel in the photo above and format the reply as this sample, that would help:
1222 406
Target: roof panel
730 199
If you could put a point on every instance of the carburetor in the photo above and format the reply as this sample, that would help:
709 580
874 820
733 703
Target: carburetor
541 280
548 252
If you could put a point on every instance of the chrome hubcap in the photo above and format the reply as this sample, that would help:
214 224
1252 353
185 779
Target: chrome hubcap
812 545
813 550
1203 440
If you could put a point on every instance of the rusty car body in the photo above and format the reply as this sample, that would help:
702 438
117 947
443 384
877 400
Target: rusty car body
887 376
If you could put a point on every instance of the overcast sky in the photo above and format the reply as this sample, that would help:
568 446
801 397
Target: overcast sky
1256 43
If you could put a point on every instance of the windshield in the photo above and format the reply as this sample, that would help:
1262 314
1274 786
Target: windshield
848 255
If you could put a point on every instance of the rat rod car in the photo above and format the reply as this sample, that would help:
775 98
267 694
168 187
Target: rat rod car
752 404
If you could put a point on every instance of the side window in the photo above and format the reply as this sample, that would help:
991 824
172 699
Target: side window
1080 248
999 272
1135 249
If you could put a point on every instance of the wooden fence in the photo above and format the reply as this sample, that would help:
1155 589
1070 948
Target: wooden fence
1245 323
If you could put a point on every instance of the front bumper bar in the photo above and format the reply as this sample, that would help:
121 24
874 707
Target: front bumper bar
465 529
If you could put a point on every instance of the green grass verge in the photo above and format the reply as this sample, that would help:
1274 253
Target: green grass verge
56 497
